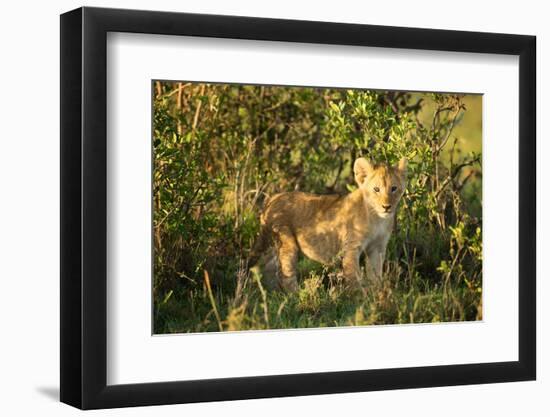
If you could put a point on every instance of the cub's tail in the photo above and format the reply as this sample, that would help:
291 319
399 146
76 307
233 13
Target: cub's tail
261 244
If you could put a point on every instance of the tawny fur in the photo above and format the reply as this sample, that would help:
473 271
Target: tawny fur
326 228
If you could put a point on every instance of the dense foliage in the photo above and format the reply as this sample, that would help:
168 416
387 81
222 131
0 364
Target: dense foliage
220 150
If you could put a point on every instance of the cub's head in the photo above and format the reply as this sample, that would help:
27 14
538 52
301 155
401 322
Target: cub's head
382 184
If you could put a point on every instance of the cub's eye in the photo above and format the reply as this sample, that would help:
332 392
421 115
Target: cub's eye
393 188
376 189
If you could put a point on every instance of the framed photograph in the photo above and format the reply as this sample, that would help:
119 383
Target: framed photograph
257 208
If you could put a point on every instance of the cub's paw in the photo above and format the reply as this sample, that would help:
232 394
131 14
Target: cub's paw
289 285
354 288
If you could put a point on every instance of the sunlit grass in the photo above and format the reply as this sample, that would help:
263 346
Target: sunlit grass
321 301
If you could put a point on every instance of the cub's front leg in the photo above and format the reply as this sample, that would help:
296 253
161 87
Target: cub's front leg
351 267
376 254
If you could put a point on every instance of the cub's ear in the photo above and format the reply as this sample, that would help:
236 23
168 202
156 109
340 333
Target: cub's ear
402 167
361 168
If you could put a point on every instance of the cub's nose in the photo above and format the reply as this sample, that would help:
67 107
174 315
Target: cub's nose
386 207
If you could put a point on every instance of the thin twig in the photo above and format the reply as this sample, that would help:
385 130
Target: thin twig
212 301
264 299
198 109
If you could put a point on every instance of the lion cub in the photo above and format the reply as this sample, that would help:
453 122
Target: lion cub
327 227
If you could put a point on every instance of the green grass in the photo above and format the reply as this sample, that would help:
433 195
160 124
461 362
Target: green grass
320 302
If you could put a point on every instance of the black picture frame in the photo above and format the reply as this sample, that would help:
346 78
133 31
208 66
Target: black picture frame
84 207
